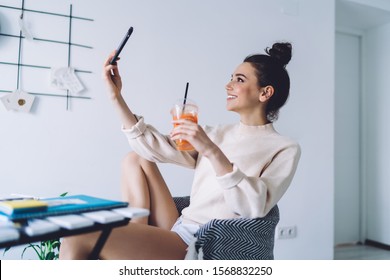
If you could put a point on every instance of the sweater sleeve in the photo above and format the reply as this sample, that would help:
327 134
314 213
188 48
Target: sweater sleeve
253 197
150 144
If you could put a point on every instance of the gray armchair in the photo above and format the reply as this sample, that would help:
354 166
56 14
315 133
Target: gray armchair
235 239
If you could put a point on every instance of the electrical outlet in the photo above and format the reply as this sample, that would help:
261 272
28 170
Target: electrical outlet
287 232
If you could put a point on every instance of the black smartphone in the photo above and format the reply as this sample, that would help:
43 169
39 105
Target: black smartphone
121 45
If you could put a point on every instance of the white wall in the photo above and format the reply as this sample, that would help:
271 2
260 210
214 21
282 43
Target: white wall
377 103
54 150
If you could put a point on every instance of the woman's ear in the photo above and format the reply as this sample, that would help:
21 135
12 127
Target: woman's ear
266 93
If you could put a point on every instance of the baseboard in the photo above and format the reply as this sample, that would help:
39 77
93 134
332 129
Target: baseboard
377 244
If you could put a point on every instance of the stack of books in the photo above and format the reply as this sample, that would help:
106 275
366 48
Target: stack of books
39 216
34 217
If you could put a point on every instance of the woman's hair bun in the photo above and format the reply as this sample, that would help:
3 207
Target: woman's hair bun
281 52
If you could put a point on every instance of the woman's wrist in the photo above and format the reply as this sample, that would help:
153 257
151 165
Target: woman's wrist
116 96
127 117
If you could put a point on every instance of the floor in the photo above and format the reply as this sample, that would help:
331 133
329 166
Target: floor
360 252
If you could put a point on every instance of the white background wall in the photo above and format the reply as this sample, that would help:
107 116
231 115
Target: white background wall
53 150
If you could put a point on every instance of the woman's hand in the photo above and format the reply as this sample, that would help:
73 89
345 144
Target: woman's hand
114 85
112 78
193 133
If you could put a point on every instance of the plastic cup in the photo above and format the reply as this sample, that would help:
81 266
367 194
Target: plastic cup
187 111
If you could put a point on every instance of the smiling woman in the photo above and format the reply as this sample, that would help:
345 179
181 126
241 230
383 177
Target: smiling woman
243 93
241 170
272 75
260 85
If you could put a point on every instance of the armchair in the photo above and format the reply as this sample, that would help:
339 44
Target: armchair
235 239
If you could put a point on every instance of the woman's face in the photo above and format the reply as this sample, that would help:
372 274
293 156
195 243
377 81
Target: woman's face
243 90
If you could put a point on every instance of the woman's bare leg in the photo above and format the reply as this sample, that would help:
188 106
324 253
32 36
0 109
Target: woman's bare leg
143 186
134 241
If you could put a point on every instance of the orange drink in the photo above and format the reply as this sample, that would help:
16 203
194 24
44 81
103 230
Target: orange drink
187 111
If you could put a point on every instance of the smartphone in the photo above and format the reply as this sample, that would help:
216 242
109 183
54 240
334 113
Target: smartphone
121 45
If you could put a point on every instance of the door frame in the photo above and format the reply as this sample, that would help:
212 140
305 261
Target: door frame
362 131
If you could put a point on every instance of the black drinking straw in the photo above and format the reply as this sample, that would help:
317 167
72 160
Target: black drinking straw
185 94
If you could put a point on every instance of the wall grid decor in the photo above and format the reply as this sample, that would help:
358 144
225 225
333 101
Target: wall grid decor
70 44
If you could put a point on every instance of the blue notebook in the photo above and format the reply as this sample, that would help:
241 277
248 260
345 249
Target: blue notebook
66 205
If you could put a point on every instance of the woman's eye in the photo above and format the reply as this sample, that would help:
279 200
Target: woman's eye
236 79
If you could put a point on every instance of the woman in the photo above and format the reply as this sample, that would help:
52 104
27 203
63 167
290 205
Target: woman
241 170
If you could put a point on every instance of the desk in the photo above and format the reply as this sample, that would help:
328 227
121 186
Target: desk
105 229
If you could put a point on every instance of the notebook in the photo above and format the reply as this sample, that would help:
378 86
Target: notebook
24 205
65 205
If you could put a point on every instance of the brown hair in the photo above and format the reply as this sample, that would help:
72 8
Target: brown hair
271 71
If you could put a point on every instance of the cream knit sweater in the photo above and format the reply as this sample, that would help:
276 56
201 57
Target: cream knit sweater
264 163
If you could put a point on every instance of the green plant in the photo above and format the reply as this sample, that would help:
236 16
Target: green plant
45 250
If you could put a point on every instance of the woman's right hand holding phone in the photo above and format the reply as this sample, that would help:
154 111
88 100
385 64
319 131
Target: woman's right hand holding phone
112 77
114 85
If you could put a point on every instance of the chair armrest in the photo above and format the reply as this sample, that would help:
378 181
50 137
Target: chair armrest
238 239
181 202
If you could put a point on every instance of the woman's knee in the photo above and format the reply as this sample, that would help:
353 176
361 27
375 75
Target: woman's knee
74 248
130 159
133 159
